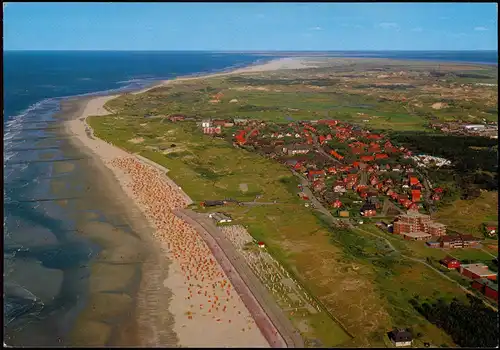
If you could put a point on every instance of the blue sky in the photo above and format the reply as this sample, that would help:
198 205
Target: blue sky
250 26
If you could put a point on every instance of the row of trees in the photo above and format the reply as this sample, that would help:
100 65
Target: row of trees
474 159
470 324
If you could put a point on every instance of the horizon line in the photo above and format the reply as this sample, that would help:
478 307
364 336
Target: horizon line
250 51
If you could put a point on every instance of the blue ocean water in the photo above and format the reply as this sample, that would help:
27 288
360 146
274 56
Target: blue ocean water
45 262
40 254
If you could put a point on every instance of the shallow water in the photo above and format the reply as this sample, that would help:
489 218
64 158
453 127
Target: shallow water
64 231
47 251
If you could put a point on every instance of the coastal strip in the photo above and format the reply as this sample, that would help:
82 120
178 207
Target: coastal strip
277 329
277 64
197 291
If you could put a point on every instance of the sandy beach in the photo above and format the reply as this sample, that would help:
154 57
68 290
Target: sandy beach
277 64
206 309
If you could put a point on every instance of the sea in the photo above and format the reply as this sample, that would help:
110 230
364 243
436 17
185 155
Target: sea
46 263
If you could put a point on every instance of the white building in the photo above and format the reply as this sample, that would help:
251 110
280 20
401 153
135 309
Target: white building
474 127
220 218
401 337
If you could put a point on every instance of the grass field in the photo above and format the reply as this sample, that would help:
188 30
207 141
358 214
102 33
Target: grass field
208 168
351 274
326 92
357 292
467 216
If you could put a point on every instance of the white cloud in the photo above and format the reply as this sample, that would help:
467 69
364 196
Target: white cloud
480 29
417 29
389 25
316 28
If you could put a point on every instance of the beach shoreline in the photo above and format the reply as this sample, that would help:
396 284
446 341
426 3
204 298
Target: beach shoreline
276 64
118 162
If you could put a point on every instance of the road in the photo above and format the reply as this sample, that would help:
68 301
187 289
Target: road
258 203
247 136
428 191
322 151
421 261
305 188
274 325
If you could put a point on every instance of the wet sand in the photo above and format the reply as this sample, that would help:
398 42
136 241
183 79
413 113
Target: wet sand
127 253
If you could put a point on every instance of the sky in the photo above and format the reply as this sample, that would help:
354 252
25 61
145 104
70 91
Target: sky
250 26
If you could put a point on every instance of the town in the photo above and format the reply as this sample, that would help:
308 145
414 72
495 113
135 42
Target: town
489 129
358 176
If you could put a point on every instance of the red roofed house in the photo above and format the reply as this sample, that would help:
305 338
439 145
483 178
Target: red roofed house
486 287
337 204
414 180
361 188
381 156
368 209
477 271
413 206
212 130
415 195
313 174
491 230
351 180
402 198
318 185
298 165
450 262
435 197
374 136
355 164
367 158
176 117
336 155
219 122
240 137
408 203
